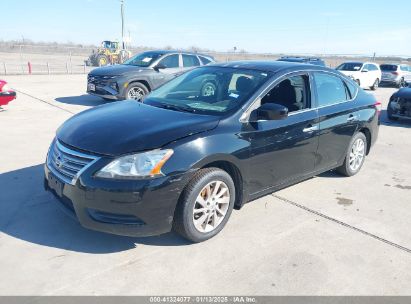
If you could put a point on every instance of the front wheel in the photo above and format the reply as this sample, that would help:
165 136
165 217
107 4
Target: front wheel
136 91
355 155
205 206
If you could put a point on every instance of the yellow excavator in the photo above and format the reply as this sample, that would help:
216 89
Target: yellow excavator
110 52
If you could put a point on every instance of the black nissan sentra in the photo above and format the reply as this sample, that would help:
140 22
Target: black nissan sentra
207 142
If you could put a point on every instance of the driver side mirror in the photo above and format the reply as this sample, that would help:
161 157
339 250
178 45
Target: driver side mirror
269 111
364 71
159 66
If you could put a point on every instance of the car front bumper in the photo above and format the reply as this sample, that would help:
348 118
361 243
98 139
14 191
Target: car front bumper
122 207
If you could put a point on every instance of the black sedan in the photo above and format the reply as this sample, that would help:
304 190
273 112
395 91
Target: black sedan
184 160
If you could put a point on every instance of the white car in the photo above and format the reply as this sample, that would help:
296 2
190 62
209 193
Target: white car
366 74
397 74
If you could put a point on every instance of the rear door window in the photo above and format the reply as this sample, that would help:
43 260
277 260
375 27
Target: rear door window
330 89
190 61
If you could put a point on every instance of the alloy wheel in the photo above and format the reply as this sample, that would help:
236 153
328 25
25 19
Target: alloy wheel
135 93
208 90
357 154
211 206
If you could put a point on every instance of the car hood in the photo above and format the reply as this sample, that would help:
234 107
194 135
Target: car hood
118 69
129 126
403 93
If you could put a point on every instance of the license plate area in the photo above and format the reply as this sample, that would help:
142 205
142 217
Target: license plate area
91 87
55 184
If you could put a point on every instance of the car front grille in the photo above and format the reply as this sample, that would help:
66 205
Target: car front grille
99 80
68 164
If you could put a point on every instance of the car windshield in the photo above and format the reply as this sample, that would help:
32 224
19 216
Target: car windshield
208 90
350 66
143 59
388 67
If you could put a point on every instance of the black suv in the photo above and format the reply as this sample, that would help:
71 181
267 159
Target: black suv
141 74
309 60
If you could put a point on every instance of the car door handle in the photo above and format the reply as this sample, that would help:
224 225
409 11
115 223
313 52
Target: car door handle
352 118
310 128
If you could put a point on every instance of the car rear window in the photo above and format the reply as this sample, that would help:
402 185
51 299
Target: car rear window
388 67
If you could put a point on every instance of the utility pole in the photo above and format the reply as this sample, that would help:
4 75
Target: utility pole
122 22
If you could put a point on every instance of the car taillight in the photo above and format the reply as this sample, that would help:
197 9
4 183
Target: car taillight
378 106
394 73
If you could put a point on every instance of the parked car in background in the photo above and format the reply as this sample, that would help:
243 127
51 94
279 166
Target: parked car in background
366 74
400 104
6 93
396 74
309 60
183 160
141 74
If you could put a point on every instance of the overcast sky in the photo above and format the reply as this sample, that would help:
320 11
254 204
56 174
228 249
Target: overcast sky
316 26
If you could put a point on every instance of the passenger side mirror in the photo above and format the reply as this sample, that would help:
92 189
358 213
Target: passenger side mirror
159 66
269 111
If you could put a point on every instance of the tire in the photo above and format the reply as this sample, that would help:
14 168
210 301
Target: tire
389 113
208 89
358 82
347 169
102 60
401 83
136 91
198 226
375 85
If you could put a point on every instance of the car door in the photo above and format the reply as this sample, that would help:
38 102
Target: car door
337 120
366 75
283 150
172 67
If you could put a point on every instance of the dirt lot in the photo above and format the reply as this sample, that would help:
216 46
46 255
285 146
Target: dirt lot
326 236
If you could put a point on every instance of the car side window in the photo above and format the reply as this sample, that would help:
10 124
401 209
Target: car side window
330 89
190 61
366 67
204 60
293 93
170 61
373 67
403 68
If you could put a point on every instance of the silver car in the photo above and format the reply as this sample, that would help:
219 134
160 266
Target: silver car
396 74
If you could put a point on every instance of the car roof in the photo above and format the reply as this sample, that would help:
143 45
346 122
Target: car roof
270 65
163 52
300 58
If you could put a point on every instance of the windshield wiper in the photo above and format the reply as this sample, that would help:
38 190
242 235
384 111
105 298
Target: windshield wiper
176 108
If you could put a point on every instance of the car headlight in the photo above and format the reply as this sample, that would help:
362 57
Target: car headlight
140 165
5 88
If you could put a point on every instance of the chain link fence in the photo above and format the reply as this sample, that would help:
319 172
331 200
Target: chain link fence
23 59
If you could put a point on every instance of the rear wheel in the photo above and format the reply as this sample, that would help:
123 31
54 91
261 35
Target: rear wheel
205 206
355 155
136 91
358 82
375 85
402 83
